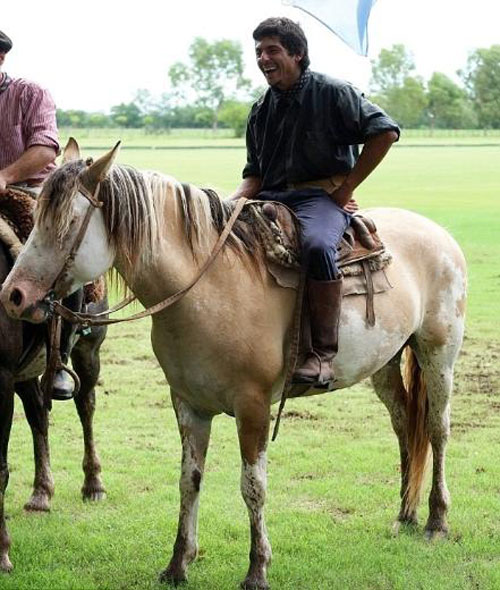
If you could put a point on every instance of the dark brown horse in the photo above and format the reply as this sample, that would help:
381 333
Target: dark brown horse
85 357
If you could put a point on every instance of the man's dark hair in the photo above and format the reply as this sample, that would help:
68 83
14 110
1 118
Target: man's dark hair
290 34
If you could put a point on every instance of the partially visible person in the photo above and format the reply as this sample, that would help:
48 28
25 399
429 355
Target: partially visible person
29 144
302 150
28 131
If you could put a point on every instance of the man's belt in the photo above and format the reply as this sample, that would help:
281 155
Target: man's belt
330 184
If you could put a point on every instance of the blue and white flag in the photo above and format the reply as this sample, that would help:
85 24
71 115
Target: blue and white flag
348 19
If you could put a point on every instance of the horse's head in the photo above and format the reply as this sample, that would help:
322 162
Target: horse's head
69 245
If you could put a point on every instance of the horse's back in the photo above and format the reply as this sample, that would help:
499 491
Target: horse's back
427 275
431 264
423 251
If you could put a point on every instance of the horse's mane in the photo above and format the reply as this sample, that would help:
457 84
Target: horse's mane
134 209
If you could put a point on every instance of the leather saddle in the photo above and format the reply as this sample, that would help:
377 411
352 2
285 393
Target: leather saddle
361 257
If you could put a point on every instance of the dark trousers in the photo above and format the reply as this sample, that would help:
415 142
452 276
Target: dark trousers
322 222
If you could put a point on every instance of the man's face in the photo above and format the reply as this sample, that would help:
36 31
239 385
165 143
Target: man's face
280 68
2 58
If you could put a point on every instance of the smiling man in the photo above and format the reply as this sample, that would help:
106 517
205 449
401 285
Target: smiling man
302 150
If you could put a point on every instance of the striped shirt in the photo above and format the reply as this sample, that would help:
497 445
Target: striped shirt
27 118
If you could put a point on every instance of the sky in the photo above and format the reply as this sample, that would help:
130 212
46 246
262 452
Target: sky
98 53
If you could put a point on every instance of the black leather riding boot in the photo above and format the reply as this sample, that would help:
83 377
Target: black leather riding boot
64 385
325 298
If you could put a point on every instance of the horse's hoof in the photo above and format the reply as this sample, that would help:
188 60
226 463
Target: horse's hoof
93 490
93 495
254 584
408 523
171 577
396 527
435 534
5 564
38 503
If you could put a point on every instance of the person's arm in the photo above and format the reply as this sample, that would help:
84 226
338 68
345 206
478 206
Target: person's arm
249 188
374 151
30 163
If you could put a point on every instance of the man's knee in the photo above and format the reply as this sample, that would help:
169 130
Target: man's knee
317 247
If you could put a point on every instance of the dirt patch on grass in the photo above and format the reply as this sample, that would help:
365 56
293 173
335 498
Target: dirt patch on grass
478 369
296 415
336 513
340 513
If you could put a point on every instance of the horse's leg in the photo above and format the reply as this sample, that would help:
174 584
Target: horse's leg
6 413
438 369
388 384
86 362
195 435
38 419
252 417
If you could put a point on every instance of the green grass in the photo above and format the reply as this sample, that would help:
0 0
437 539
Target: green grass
333 473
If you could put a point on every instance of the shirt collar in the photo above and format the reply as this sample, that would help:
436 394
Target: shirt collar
296 91
4 82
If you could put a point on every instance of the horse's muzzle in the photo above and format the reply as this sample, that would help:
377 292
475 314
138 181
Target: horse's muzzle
18 306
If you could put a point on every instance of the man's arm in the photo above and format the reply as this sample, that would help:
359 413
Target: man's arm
32 161
374 150
249 188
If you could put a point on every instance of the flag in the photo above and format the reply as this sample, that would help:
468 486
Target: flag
348 19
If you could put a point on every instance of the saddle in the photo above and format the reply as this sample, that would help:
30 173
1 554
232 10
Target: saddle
17 206
361 256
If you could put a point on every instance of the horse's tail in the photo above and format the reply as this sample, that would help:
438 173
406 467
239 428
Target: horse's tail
417 408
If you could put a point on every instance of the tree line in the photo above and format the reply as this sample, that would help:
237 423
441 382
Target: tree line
210 91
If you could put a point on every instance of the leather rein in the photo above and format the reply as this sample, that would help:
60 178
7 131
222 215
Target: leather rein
86 319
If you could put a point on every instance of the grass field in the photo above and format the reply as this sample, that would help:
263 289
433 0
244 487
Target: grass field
333 473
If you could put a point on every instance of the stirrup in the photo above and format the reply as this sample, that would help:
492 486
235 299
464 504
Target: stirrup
60 394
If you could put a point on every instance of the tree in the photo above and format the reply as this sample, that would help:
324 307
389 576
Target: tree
126 115
391 68
448 104
482 79
405 103
214 74
234 114
397 91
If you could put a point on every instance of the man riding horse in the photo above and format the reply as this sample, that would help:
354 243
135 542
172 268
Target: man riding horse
302 150
28 148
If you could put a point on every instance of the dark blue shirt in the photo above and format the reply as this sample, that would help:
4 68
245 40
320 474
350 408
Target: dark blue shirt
311 133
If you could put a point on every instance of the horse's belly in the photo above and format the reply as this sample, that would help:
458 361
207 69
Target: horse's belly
365 349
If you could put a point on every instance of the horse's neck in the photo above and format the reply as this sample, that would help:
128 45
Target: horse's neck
173 264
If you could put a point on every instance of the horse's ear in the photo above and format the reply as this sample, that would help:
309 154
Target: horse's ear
71 151
98 171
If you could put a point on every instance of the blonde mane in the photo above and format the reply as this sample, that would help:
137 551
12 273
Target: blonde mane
134 209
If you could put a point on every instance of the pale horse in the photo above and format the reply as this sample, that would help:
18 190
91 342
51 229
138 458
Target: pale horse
223 346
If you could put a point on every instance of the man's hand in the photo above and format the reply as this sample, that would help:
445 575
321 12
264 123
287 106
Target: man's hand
343 196
248 188
352 206
31 162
